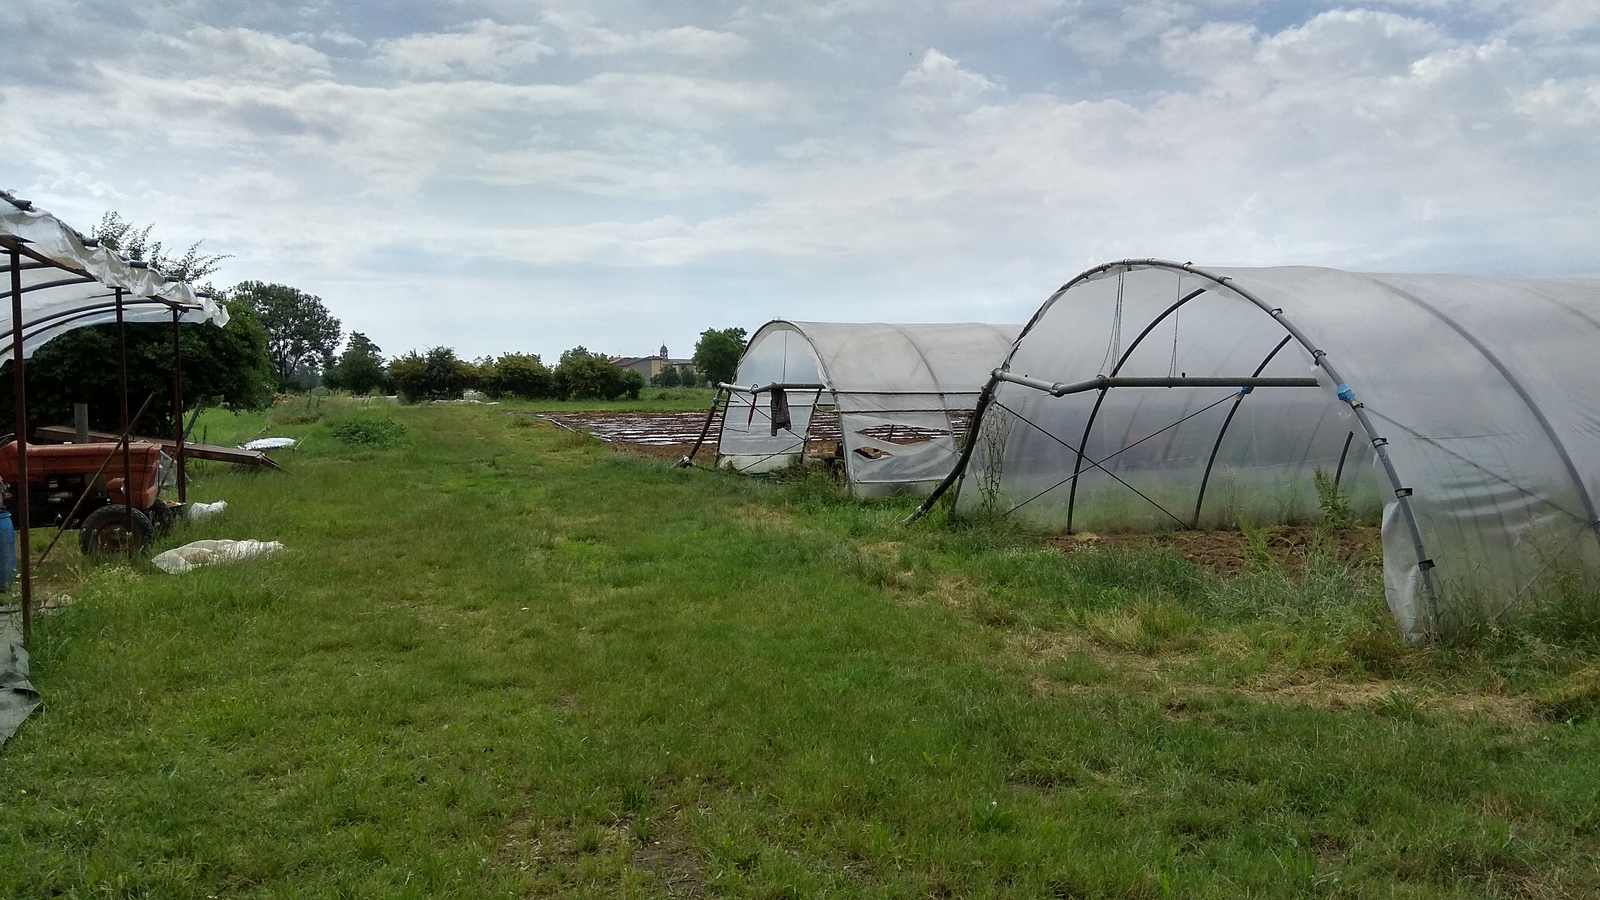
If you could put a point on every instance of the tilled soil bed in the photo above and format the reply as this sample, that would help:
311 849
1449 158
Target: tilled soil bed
1228 552
669 436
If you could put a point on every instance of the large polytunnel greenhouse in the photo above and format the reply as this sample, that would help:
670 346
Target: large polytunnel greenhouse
888 401
1463 411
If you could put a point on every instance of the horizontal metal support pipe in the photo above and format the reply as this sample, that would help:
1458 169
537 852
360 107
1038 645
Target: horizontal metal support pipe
768 388
1102 382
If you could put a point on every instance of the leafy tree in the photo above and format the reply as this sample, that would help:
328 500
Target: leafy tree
632 383
225 367
436 375
360 369
716 355
687 377
301 332
582 375
519 375
123 236
408 376
667 377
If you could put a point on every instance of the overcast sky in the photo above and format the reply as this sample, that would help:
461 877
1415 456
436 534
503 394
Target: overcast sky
503 176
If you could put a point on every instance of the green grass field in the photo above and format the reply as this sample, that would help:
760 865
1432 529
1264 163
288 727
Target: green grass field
500 660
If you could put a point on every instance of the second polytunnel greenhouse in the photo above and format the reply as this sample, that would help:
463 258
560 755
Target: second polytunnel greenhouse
887 401
1463 411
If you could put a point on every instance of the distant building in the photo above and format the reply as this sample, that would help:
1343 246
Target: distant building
650 366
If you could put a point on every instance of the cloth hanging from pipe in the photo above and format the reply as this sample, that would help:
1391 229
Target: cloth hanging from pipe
780 411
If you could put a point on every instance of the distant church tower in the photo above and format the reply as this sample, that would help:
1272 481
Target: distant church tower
663 351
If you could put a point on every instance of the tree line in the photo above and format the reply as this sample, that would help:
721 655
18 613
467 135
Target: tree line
580 374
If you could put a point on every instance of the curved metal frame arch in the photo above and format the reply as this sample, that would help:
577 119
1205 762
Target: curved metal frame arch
1401 492
36 327
1522 394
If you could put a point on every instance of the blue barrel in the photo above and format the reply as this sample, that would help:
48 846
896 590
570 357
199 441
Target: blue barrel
8 551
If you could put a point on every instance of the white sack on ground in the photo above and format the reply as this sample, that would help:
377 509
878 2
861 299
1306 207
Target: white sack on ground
199 512
277 443
183 559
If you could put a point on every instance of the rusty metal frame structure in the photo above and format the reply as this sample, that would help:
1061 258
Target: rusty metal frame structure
24 335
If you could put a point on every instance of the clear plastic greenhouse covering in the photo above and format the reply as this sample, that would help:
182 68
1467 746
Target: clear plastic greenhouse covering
1464 411
901 393
68 281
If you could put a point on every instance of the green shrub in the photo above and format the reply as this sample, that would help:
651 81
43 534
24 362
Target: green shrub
368 431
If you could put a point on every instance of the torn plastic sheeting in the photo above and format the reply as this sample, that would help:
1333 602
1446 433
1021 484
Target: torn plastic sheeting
273 443
180 560
18 699
199 512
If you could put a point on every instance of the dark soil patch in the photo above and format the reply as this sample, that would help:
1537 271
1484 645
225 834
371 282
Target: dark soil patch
669 436
669 856
665 436
1228 552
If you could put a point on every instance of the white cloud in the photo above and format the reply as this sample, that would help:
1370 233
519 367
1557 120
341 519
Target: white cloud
942 76
1551 18
244 55
1105 33
582 161
686 41
484 48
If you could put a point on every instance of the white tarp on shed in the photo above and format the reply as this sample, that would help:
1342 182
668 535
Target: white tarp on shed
70 282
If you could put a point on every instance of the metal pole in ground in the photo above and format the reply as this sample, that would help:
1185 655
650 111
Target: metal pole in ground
20 393
177 407
127 447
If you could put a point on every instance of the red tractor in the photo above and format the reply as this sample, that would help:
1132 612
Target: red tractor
80 486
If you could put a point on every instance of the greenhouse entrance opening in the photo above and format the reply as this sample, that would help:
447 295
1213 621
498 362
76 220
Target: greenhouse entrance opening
885 404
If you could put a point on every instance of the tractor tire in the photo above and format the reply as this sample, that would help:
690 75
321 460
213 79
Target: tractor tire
162 518
104 532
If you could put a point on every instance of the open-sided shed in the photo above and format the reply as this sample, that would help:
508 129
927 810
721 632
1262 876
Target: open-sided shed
1149 394
901 394
57 280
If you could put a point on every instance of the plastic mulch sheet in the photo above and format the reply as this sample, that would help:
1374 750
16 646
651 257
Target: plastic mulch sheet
18 699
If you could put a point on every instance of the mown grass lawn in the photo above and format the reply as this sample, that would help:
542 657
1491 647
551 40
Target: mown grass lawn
497 659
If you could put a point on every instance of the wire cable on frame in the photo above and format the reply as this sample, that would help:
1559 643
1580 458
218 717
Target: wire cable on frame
1099 464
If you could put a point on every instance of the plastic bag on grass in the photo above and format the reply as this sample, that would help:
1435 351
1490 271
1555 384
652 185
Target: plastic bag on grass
199 512
270 443
183 559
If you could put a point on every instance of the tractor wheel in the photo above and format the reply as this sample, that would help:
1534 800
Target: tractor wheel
105 533
162 518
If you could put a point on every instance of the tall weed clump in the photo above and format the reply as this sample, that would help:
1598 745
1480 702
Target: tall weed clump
376 432
303 409
1337 512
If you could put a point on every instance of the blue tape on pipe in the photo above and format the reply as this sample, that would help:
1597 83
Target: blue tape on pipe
1346 394
1245 390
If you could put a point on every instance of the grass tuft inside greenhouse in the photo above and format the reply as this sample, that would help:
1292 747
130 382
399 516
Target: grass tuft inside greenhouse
500 659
